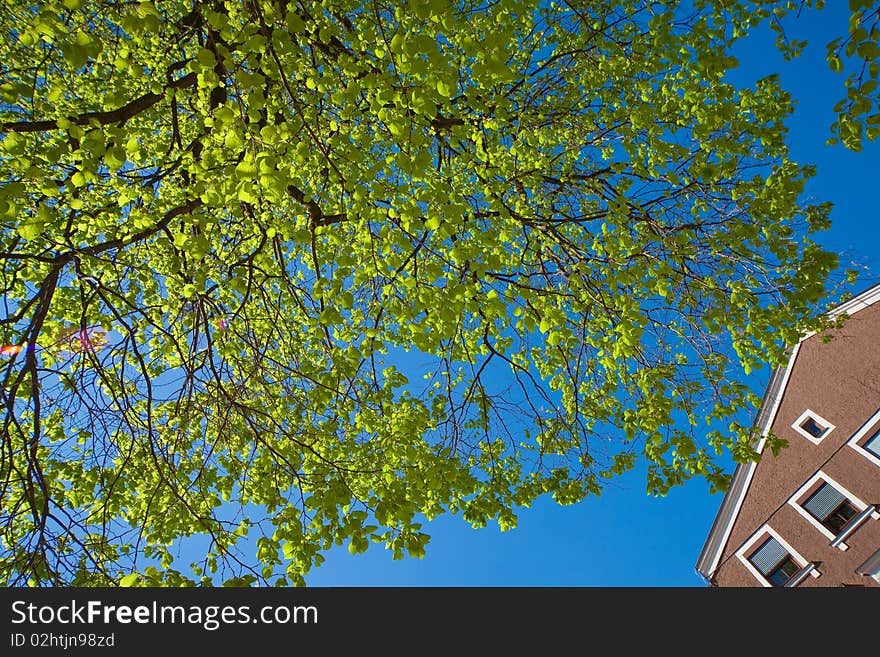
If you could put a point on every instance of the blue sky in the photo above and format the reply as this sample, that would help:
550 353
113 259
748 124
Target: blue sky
624 537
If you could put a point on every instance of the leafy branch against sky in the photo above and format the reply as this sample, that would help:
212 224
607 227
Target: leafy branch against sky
353 265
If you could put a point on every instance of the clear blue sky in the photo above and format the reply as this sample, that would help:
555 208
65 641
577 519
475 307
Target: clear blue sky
626 538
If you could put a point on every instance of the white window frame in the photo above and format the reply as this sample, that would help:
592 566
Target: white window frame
868 427
762 534
818 419
795 500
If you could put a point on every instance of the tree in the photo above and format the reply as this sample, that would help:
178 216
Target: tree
857 52
283 275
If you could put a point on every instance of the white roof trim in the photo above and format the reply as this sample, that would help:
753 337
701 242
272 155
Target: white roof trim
851 307
857 303
730 507
752 466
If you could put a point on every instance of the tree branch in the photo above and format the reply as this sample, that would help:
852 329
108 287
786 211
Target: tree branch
119 115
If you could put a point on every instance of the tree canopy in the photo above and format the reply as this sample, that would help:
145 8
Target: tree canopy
282 275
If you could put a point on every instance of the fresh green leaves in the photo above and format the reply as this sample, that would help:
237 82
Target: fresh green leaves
363 268
858 114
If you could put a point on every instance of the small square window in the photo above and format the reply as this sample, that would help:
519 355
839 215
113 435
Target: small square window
813 428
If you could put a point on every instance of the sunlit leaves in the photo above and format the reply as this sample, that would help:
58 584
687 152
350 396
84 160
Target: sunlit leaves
858 113
362 268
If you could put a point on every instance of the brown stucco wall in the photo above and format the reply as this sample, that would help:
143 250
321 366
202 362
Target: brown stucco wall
840 381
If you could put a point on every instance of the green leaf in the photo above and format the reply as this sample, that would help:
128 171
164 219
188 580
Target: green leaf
115 157
835 64
129 580
206 58
445 89
31 230
294 23
246 170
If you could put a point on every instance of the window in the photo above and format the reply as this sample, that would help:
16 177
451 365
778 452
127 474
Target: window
866 441
873 444
812 426
774 562
830 507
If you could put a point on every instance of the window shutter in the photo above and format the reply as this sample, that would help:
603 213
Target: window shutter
768 556
824 501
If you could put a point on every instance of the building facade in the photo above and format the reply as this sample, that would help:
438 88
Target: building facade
811 515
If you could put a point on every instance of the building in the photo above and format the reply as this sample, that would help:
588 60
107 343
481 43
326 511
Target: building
811 515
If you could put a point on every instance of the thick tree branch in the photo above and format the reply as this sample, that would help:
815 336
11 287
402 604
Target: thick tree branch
119 115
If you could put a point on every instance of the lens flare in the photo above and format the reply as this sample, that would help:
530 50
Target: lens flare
89 339
10 350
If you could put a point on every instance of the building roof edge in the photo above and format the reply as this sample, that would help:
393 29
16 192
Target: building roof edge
719 533
717 538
